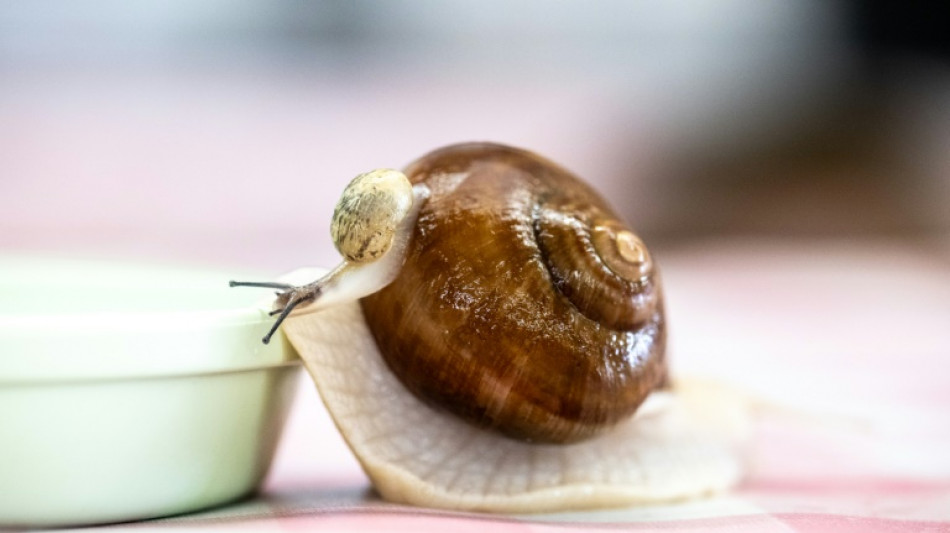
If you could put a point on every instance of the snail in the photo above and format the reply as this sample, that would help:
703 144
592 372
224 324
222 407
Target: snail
495 340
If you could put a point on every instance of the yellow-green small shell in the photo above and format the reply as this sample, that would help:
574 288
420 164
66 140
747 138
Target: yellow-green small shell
368 213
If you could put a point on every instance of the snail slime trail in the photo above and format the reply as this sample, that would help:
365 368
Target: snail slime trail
524 304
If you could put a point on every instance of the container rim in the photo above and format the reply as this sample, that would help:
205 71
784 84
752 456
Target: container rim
94 320
91 380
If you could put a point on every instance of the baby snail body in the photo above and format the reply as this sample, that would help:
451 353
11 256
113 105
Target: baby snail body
524 304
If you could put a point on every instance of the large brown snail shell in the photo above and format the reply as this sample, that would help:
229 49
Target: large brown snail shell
524 304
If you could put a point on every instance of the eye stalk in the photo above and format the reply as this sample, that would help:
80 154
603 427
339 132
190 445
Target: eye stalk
371 227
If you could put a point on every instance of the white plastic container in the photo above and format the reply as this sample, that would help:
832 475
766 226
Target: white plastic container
129 393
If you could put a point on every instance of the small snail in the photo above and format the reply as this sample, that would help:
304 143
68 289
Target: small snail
371 227
504 310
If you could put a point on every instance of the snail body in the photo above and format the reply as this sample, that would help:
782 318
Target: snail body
523 304
488 303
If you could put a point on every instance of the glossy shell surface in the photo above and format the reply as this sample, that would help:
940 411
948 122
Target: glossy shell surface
525 304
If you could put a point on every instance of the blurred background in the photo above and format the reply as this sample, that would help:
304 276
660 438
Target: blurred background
221 132
787 162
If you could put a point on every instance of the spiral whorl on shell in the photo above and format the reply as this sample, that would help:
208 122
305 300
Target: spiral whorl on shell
524 305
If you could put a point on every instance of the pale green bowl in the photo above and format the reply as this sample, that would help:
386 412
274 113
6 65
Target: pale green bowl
129 393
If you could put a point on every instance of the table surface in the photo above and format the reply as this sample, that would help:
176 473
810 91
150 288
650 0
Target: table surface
846 344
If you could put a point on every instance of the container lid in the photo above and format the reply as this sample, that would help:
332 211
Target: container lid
63 319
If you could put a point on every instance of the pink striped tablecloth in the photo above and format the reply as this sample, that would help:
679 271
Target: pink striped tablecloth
847 346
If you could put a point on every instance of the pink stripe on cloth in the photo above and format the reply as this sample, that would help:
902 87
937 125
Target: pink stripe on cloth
365 520
877 486
820 523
